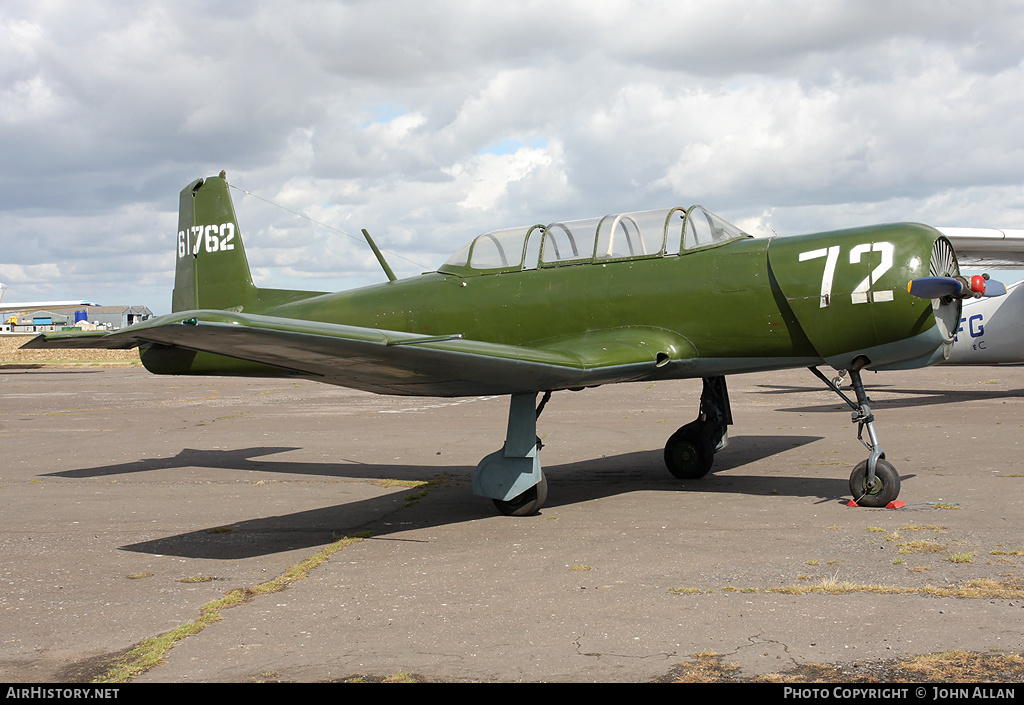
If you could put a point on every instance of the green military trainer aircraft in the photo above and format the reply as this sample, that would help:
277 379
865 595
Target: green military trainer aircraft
652 295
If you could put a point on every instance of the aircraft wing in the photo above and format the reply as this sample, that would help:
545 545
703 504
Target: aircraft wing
987 248
391 362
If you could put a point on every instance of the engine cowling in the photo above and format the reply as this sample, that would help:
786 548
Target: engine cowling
848 291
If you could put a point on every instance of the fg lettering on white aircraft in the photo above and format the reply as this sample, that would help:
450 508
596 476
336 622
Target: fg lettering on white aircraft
975 328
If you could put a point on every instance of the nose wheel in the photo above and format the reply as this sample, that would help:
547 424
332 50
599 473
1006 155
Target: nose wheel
883 489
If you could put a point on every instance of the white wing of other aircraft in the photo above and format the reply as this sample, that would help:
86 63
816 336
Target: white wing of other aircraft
31 305
987 248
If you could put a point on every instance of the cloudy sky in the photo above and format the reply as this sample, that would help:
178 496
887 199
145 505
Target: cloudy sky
430 122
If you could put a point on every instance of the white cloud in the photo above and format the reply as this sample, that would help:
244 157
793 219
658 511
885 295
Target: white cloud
794 115
490 174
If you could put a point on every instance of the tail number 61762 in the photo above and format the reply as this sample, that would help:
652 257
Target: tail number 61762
212 238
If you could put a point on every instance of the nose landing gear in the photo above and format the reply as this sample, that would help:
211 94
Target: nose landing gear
874 482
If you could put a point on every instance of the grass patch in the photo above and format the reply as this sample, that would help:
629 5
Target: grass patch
922 527
424 487
963 666
961 558
389 482
970 589
921 547
151 652
944 667
399 677
981 588
706 667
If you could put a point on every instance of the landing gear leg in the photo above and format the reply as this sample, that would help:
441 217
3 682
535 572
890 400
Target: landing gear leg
690 451
512 477
874 482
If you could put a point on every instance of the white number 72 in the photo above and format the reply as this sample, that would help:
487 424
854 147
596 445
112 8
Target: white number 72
862 294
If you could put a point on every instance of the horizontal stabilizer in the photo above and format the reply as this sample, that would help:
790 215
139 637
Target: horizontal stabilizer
101 339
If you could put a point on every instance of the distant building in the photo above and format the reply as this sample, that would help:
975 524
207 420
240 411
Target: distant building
115 317
60 317
37 321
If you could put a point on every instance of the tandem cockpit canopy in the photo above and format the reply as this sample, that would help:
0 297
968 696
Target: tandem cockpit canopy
625 236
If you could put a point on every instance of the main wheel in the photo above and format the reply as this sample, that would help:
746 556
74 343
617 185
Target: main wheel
688 454
527 503
886 487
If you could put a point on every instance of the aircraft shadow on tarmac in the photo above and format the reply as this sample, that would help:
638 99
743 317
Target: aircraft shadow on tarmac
450 503
32 368
241 459
887 397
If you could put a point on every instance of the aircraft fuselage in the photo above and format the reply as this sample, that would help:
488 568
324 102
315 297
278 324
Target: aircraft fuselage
742 305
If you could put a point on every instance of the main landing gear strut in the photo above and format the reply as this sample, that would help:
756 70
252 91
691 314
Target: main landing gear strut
512 476
874 482
690 451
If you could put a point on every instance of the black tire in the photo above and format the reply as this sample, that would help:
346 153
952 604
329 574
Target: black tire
886 488
688 453
526 504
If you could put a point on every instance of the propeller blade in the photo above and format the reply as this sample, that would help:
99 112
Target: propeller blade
958 287
935 287
994 288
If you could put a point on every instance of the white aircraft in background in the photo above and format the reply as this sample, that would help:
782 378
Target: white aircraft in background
35 305
991 329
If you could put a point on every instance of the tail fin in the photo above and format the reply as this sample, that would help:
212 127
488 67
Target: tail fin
212 271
